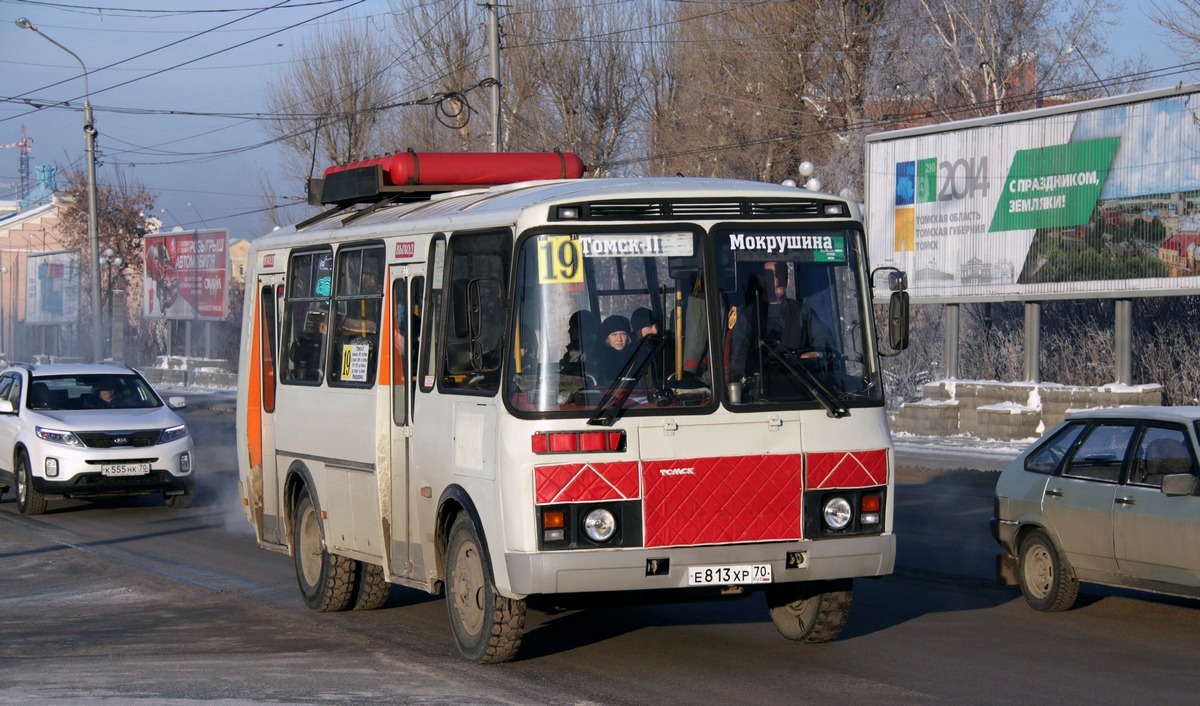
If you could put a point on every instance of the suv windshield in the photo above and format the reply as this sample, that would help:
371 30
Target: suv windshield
66 392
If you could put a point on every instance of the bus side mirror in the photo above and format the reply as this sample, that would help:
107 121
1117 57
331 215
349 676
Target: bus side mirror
897 283
898 320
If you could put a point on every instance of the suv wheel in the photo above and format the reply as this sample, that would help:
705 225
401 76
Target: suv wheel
29 500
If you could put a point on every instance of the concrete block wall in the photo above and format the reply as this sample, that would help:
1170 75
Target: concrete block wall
1008 411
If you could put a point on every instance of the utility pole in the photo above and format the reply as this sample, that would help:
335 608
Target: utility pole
494 52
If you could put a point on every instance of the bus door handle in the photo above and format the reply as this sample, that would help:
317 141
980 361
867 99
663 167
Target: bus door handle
774 423
670 427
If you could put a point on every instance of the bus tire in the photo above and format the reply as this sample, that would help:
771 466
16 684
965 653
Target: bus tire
29 500
373 589
810 612
1046 582
487 626
326 580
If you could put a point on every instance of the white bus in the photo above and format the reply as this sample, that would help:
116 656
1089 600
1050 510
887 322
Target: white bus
563 386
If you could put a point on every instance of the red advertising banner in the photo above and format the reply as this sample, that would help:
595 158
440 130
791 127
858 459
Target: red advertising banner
187 275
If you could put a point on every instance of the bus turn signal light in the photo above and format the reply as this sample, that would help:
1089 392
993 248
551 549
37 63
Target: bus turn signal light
869 508
564 442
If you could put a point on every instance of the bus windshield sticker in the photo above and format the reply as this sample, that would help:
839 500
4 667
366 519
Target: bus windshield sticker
559 260
354 361
637 245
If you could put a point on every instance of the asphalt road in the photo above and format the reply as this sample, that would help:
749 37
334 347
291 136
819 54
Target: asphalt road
131 602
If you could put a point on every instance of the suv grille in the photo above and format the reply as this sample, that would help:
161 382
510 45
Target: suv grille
109 439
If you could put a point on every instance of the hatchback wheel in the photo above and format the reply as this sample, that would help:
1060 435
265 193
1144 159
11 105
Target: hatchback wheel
1045 579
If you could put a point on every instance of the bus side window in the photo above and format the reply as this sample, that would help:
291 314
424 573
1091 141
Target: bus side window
358 308
431 320
478 285
306 317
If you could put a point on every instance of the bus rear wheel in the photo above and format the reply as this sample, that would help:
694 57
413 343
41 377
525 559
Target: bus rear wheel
373 588
326 580
487 626
810 611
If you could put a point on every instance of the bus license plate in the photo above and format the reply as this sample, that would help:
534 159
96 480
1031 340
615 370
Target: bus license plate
727 575
125 469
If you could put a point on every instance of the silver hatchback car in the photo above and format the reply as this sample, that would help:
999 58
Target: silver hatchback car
1108 496
77 431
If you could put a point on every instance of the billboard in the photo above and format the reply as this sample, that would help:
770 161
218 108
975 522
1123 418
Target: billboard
52 283
1094 199
187 275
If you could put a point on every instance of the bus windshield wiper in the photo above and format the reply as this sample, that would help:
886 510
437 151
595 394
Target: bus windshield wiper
815 385
618 392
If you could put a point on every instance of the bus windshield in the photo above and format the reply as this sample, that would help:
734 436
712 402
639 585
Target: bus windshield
797 309
628 312
594 309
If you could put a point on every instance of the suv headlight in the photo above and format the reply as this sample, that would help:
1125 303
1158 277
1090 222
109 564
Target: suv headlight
173 433
58 436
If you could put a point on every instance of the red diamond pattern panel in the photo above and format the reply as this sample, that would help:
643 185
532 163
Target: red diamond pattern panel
846 469
720 500
586 482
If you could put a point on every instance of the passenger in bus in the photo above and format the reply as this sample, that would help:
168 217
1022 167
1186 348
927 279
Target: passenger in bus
581 338
642 323
306 352
612 350
787 326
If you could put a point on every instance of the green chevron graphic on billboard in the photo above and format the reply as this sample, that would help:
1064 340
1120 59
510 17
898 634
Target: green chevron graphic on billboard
1056 186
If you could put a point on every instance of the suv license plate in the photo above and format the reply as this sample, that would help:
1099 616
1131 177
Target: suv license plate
125 469
728 575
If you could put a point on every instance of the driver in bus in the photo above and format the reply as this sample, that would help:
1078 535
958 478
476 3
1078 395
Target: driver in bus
788 326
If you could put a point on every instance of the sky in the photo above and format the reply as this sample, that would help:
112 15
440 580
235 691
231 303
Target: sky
207 170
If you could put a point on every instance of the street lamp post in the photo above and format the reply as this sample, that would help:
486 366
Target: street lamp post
89 131
108 259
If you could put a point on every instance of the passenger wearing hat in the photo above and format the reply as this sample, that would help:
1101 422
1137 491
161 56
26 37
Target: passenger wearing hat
612 350
643 323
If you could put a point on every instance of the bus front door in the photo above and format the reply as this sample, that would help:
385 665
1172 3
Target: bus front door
264 375
405 325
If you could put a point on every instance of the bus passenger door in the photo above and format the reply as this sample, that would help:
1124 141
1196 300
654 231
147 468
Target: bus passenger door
405 323
261 418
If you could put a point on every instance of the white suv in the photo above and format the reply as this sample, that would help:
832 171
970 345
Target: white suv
76 431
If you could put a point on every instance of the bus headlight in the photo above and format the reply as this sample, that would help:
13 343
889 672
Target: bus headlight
599 525
837 513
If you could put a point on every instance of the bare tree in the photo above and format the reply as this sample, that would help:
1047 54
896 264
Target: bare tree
1000 56
444 54
121 207
1180 18
573 78
327 103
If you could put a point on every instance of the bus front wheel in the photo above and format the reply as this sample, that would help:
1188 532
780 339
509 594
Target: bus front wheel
810 611
326 580
487 626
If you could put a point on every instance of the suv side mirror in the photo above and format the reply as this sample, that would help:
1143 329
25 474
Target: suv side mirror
6 407
177 402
